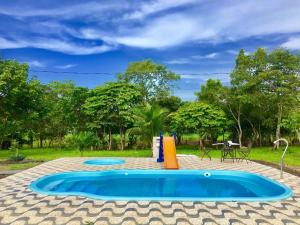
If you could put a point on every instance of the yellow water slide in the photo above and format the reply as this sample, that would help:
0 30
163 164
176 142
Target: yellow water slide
170 160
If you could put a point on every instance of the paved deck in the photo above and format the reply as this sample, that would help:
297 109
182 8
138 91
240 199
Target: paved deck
19 205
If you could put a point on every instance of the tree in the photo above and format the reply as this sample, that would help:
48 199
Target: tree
82 140
148 121
264 81
154 79
291 125
201 118
172 103
37 118
111 106
211 92
230 99
57 103
14 93
280 83
73 108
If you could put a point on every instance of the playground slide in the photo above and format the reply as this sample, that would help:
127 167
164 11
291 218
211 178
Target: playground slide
170 160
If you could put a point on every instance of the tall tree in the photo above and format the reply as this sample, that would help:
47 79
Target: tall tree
199 117
280 83
154 79
57 100
111 106
13 98
148 121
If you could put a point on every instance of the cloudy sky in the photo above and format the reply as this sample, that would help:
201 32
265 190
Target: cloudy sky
196 38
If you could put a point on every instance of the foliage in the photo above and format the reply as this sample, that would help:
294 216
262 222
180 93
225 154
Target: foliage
200 118
260 104
148 121
265 88
172 103
154 79
17 156
211 92
82 140
111 106
14 92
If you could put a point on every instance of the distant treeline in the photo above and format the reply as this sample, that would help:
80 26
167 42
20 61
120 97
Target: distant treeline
260 105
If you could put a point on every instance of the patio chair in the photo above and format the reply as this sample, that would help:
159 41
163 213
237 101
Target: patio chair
227 152
244 153
206 152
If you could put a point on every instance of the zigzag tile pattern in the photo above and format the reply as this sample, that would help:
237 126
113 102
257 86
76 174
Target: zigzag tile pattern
19 205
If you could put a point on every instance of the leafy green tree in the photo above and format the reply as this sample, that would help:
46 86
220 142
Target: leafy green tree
212 92
172 103
155 79
111 106
267 80
35 123
82 140
73 108
57 101
13 98
291 125
201 118
148 121
280 83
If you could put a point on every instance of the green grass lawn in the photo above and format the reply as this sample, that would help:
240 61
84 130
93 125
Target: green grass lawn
265 153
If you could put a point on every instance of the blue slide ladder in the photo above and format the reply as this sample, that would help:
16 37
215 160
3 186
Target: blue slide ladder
161 147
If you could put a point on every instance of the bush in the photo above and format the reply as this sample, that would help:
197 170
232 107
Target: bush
17 157
82 140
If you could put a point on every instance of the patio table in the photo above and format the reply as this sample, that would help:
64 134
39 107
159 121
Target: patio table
231 144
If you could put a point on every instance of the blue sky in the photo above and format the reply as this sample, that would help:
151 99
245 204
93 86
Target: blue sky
196 38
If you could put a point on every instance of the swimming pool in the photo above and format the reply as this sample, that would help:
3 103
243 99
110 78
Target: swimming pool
103 162
181 185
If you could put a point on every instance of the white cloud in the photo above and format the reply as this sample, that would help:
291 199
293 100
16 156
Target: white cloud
217 24
6 44
207 56
155 24
92 9
167 31
67 66
232 52
192 59
292 43
58 45
178 61
203 76
35 63
151 7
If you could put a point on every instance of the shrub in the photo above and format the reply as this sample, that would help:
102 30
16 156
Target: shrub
17 157
82 140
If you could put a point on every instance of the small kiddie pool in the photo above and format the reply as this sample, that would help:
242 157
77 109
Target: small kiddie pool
103 162
179 185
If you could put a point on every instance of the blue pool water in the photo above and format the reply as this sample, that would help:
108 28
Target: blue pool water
103 162
183 185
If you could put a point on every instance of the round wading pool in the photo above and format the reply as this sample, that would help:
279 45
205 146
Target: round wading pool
103 162
170 185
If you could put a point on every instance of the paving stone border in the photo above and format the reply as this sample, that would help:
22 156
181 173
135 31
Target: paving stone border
19 205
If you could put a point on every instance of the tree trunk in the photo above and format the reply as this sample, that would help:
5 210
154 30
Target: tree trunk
237 118
121 138
200 142
277 135
31 141
240 131
109 140
260 137
41 142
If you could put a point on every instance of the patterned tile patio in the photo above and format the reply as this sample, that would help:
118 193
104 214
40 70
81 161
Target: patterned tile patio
19 205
